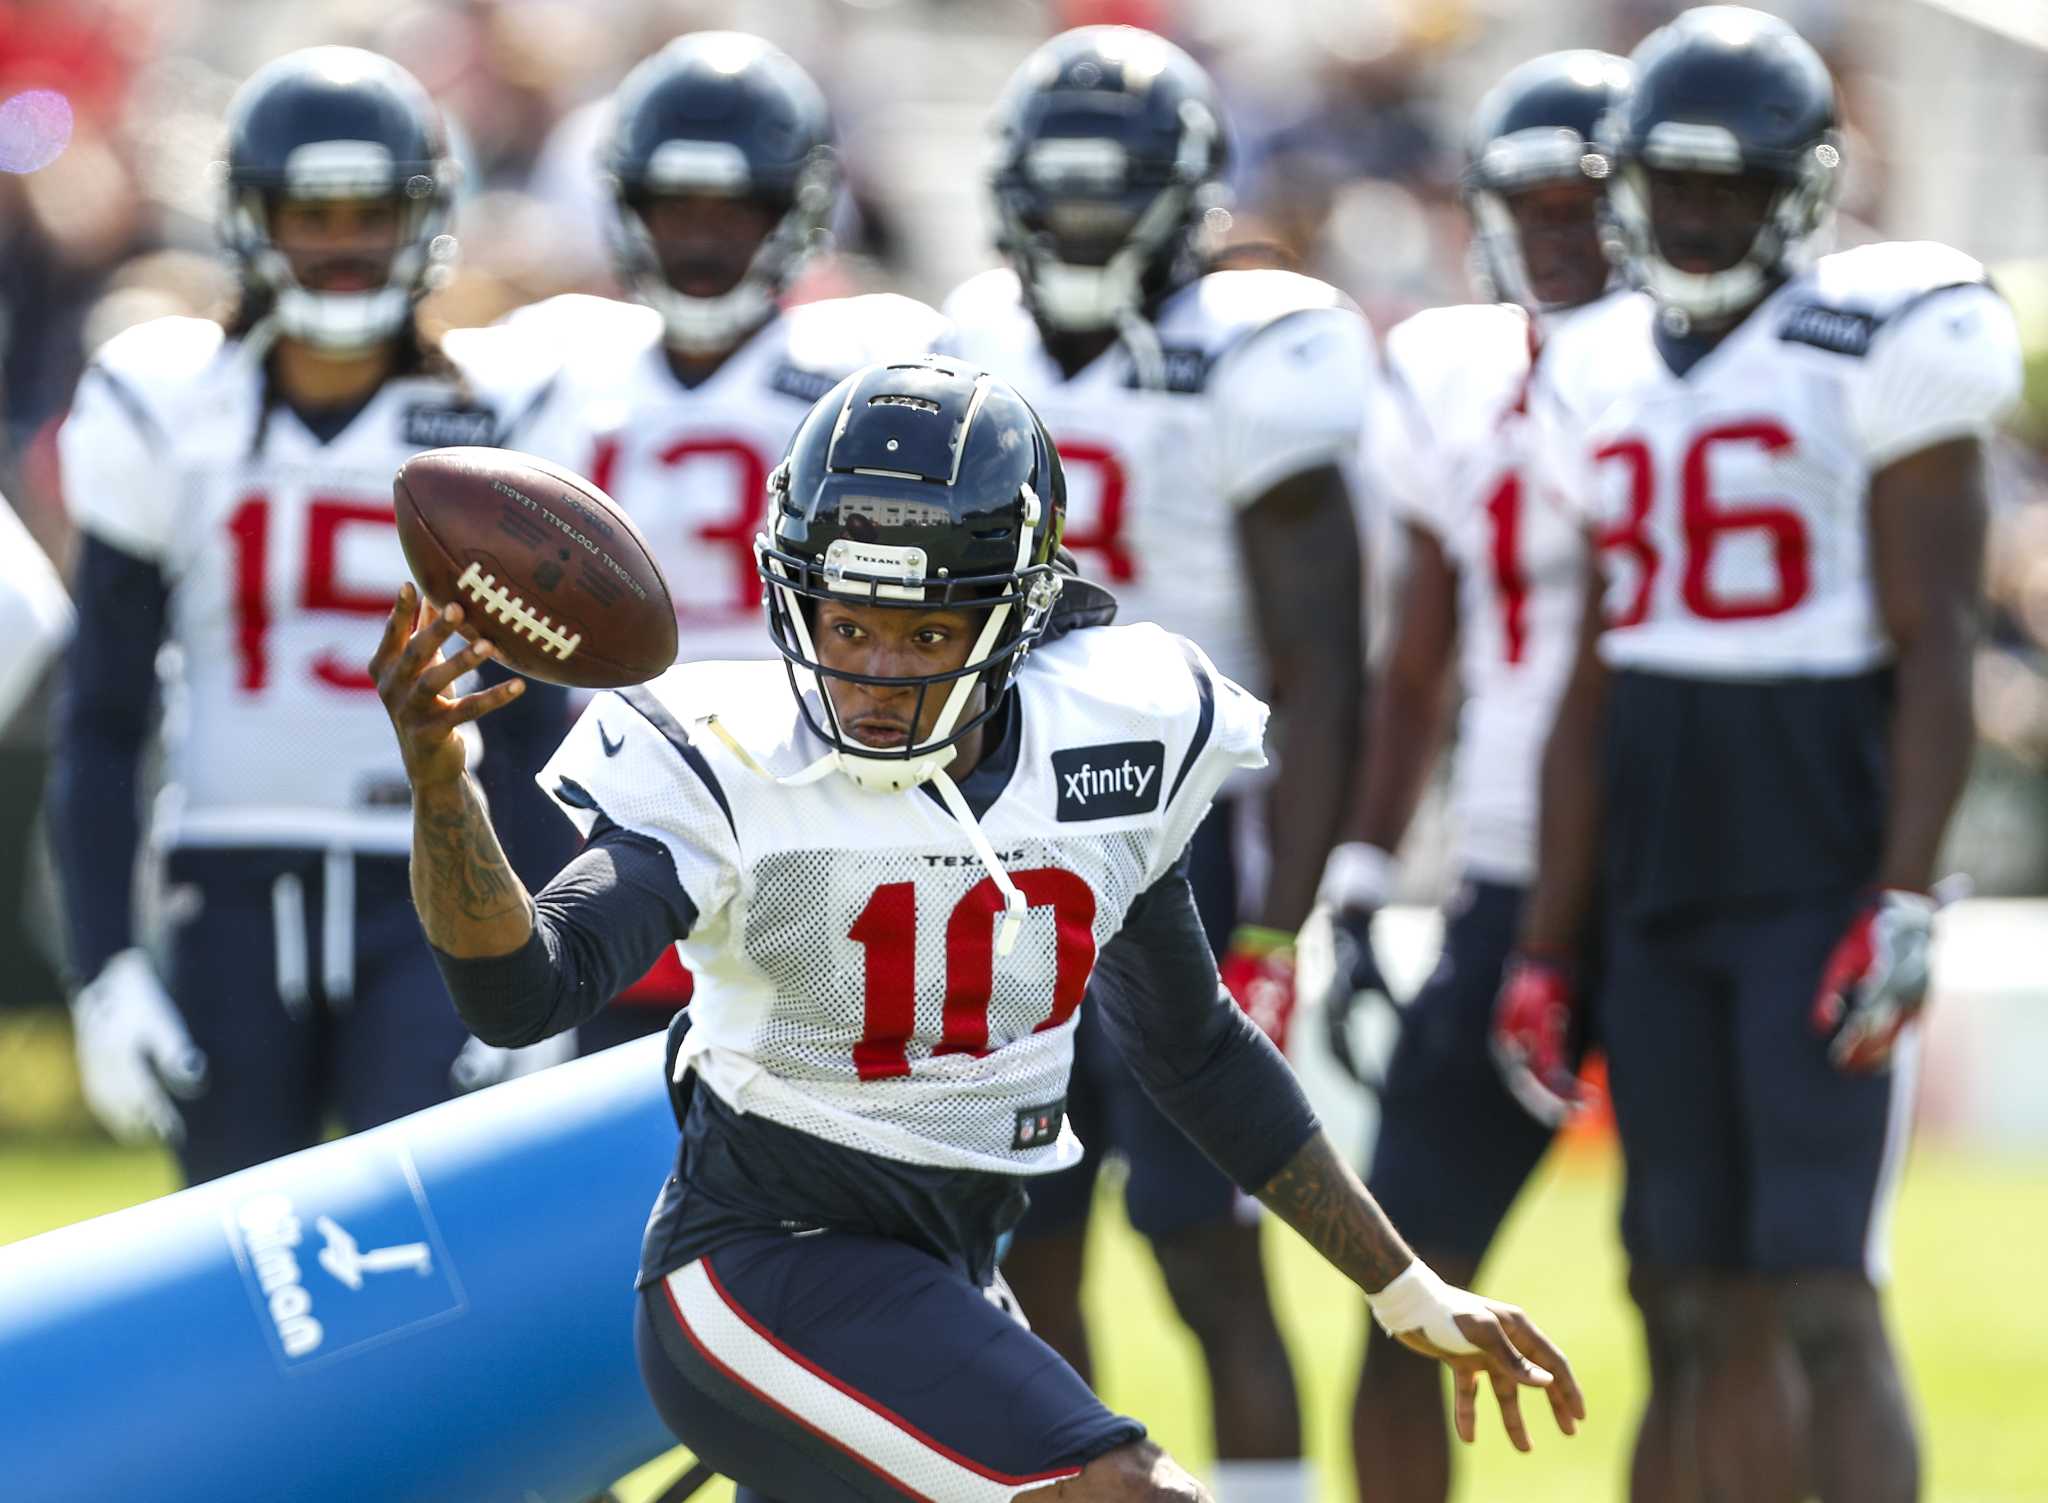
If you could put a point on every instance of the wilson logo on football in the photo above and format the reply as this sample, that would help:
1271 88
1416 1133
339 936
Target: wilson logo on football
501 604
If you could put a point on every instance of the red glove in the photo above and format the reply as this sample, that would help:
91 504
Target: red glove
1876 980
1532 1029
1258 972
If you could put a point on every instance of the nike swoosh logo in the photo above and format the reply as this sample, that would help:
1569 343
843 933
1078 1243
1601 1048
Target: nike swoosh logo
611 747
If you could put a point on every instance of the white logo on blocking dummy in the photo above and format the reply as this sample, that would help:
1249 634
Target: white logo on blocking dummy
348 1263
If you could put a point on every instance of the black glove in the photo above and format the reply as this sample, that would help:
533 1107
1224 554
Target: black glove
1357 983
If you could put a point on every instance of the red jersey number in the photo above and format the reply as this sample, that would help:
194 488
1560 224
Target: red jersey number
322 589
887 930
728 538
1704 524
1101 536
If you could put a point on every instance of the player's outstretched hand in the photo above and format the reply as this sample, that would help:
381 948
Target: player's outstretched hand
1477 1337
414 680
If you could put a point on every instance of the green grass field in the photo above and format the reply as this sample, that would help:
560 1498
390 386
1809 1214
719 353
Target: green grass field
1968 1303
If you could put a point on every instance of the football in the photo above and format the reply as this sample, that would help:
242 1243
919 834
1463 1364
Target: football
544 565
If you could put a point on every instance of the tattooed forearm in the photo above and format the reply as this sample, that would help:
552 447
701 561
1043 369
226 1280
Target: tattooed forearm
1319 1196
470 901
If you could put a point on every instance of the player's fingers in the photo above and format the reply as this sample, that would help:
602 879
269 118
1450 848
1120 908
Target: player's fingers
1465 1402
475 706
425 645
1508 1395
1566 1400
395 628
1502 1359
440 675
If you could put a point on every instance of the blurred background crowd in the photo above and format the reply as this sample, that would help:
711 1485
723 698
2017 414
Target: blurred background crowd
1348 117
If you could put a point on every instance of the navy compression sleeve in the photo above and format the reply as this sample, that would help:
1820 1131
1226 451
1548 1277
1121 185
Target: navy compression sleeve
597 927
1199 1057
105 699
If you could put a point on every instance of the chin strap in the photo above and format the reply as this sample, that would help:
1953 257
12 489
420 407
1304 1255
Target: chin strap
1014 902
1148 357
1013 898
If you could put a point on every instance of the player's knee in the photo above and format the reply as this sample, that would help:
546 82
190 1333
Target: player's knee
1136 1473
1835 1323
1677 1322
1218 1286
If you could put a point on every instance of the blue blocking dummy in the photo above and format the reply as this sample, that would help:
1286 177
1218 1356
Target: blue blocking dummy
437 1311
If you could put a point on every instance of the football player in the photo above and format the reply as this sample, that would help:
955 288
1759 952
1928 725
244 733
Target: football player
721 165
1492 589
1208 421
894 881
1780 455
231 482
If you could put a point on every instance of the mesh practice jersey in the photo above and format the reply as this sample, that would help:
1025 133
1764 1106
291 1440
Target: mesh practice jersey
848 985
281 556
1730 505
35 613
1266 375
1450 449
690 464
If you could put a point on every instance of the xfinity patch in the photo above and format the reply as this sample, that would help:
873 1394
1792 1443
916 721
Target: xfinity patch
805 386
440 427
1835 329
1186 370
343 1260
1108 782
1039 1125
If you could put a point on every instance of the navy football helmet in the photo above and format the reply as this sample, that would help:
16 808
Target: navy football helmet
1535 129
723 114
337 123
1727 90
929 484
1110 149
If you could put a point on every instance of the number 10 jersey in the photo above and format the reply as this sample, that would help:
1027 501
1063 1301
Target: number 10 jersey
849 984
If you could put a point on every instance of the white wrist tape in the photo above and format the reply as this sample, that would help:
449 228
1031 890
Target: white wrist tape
1417 1300
1358 875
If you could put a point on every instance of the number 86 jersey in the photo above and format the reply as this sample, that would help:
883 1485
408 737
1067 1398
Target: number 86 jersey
1729 503
850 985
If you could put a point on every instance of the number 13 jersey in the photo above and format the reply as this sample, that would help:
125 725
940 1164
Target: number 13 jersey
849 985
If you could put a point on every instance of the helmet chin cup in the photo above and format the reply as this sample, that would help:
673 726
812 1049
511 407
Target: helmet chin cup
1081 299
706 325
341 323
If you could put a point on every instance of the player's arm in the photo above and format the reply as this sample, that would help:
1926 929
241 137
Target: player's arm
1536 1013
1299 544
1410 701
1933 384
1221 1081
1928 519
520 968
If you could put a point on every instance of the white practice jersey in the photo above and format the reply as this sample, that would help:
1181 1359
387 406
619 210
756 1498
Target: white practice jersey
1730 505
282 561
35 613
690 464
1266 376
1450 450
847 980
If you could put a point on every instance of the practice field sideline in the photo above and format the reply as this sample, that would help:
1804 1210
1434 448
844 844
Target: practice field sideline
1968 1253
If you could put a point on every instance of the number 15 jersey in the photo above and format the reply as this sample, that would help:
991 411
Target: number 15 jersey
849 983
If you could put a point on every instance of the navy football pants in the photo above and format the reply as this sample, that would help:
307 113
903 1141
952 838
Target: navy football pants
306 980
831 1367
1745 1148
